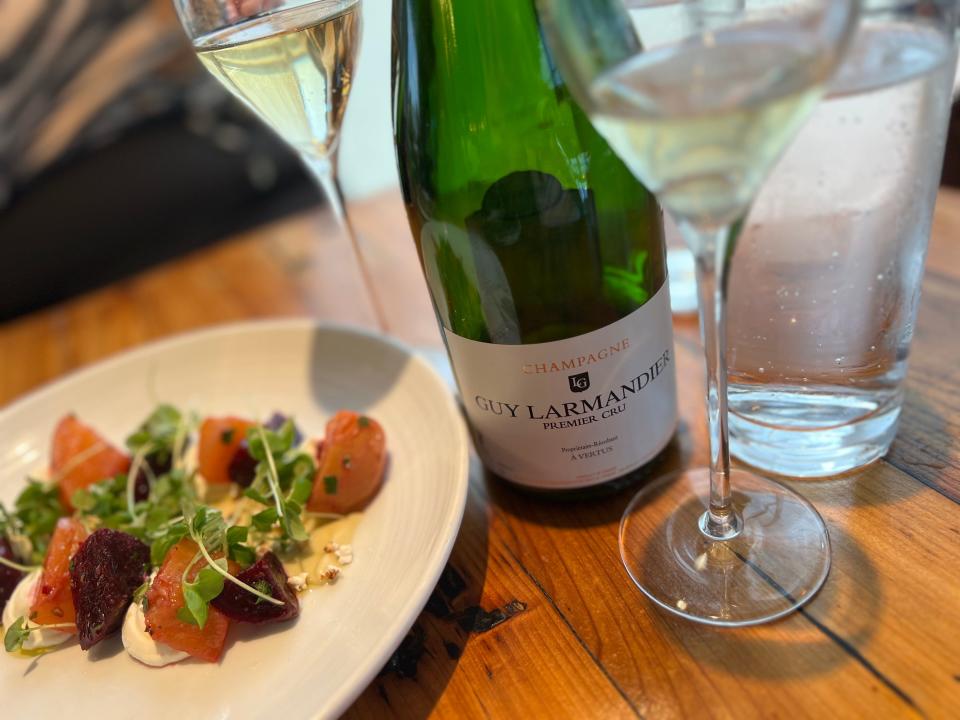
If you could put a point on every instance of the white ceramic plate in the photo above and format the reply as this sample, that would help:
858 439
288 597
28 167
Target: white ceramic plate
347 631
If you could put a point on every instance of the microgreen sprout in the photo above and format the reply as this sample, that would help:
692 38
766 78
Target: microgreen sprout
272 476
236 581
283 481
208 530
165 431
18 632
30 524
198 593
183 429
17 566
139 459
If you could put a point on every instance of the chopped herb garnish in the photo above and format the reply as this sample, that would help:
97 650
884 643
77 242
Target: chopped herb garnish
226 437
264 587
330 484
363 421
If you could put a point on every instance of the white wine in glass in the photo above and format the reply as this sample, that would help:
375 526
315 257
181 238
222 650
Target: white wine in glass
696 124
700 98
293 69
292 63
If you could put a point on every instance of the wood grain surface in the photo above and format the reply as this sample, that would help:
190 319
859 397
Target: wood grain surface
534 615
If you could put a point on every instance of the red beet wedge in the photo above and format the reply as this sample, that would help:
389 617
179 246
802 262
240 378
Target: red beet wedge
9 578
105 572
268 576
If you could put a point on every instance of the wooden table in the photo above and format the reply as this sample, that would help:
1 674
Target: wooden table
882 638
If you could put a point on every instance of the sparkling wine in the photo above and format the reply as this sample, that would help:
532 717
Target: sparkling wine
293 68
702 123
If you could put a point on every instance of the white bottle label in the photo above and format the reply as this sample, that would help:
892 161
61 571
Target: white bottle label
574 412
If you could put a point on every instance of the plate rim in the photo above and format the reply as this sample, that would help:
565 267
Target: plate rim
340 699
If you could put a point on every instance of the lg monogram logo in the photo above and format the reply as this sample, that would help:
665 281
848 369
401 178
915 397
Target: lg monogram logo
579 382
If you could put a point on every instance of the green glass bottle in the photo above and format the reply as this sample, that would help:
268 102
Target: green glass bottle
543 254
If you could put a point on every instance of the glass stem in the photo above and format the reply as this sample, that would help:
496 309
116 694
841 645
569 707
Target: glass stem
324 170
712 252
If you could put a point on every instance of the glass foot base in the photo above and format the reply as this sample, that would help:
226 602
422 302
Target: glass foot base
775 564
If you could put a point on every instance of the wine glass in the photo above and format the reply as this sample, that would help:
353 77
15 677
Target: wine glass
700 98
292 63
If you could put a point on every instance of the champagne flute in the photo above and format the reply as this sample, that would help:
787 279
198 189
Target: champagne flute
291 62
700 98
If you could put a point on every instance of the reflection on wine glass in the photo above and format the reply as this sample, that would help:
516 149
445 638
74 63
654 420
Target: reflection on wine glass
292 63
700 98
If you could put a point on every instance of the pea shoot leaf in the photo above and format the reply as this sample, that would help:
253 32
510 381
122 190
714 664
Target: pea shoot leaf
33 518
236 549
198 593
161 435
289 490
169 537
265 519
15 635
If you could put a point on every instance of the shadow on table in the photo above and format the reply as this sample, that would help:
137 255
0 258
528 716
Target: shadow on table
415 677
876 485
926 444
353 368
591 507
839 621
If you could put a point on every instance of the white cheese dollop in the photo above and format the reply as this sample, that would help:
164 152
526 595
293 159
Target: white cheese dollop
19 606
141 646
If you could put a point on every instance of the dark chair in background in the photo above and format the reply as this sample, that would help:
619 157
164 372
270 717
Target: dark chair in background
118 151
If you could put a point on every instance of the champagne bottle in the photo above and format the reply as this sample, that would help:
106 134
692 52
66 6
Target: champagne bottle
543 254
